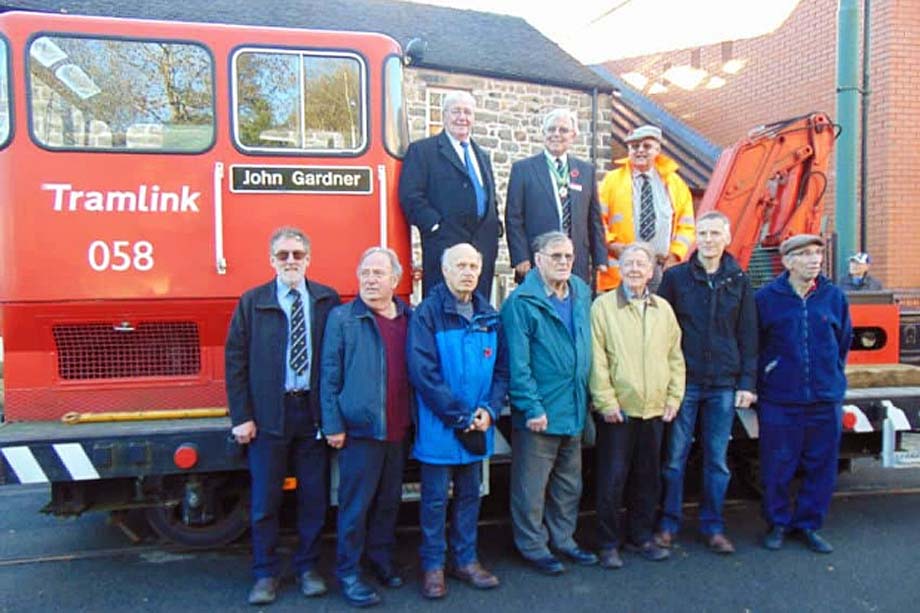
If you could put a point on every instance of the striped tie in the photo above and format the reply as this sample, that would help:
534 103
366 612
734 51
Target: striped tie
298 334
646 210
566 203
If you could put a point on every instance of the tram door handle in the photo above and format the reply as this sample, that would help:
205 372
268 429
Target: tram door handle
220 262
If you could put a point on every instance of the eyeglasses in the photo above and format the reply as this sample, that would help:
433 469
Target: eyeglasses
560 257
647 146
282 256
558 130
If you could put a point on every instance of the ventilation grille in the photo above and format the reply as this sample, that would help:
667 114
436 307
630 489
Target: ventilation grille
764 266
104 351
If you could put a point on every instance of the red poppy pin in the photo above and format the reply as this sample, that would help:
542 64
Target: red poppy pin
574 174
487 352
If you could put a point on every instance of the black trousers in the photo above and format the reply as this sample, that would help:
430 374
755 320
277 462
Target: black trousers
272 458
628 466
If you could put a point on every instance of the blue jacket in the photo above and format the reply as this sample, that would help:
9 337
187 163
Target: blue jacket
254 355
718 322
549 369
803 343
455 366
353 379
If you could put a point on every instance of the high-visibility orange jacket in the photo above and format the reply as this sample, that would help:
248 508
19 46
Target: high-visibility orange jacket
616 199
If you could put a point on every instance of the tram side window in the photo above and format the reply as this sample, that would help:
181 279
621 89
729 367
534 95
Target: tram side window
396 121
299 102
89 93
4 94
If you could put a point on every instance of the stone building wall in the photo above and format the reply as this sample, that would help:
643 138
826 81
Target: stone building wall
509 117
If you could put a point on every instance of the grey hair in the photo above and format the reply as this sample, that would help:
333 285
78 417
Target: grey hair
449 252
288 232
456 96
549 238
639 246
394 260
555 114
716 215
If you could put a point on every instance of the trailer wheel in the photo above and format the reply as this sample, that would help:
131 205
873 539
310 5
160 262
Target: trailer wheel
207 515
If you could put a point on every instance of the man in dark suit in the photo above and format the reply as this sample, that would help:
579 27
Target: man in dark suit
554 190
272 357
448 192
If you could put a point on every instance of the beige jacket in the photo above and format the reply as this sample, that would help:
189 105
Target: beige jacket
637 362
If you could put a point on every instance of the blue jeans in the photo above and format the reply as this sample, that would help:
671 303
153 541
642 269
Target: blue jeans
464 514
793 437
716 408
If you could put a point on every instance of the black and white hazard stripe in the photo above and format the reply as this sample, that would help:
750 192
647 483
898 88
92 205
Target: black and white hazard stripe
45 463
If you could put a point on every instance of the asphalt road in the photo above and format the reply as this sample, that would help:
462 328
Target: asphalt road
95 567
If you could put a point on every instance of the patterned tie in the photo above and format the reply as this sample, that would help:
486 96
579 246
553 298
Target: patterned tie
646 210
298 334
474 179
565 201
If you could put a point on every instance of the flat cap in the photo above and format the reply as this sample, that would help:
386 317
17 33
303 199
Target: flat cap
644 132
798 241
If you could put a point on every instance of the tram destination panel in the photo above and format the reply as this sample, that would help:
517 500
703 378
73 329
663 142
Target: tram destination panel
301 179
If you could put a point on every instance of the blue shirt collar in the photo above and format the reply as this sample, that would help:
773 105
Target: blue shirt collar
632 296
282 289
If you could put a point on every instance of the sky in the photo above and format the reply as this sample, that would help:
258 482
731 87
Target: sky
597 30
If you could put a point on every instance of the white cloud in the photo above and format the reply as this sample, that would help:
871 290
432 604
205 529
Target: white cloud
598 30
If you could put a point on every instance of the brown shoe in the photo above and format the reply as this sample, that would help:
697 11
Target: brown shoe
664 539
433 585
476 575
719 543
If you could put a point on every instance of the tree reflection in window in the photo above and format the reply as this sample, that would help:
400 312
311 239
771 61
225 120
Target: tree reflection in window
298 101
117 94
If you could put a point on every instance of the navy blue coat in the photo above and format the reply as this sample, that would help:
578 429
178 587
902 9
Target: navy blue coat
803 343
435 190
530 210
456 366
254 355
718 322
353 381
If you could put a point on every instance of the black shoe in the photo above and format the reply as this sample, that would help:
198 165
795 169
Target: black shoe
549 565
650 551
311 584
386 576
580 556
357 593
773 539
263 591
815 541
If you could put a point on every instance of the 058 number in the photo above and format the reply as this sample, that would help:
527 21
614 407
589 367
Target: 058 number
120 256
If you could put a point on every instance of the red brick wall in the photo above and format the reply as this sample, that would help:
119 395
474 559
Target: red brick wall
893 141
792 71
